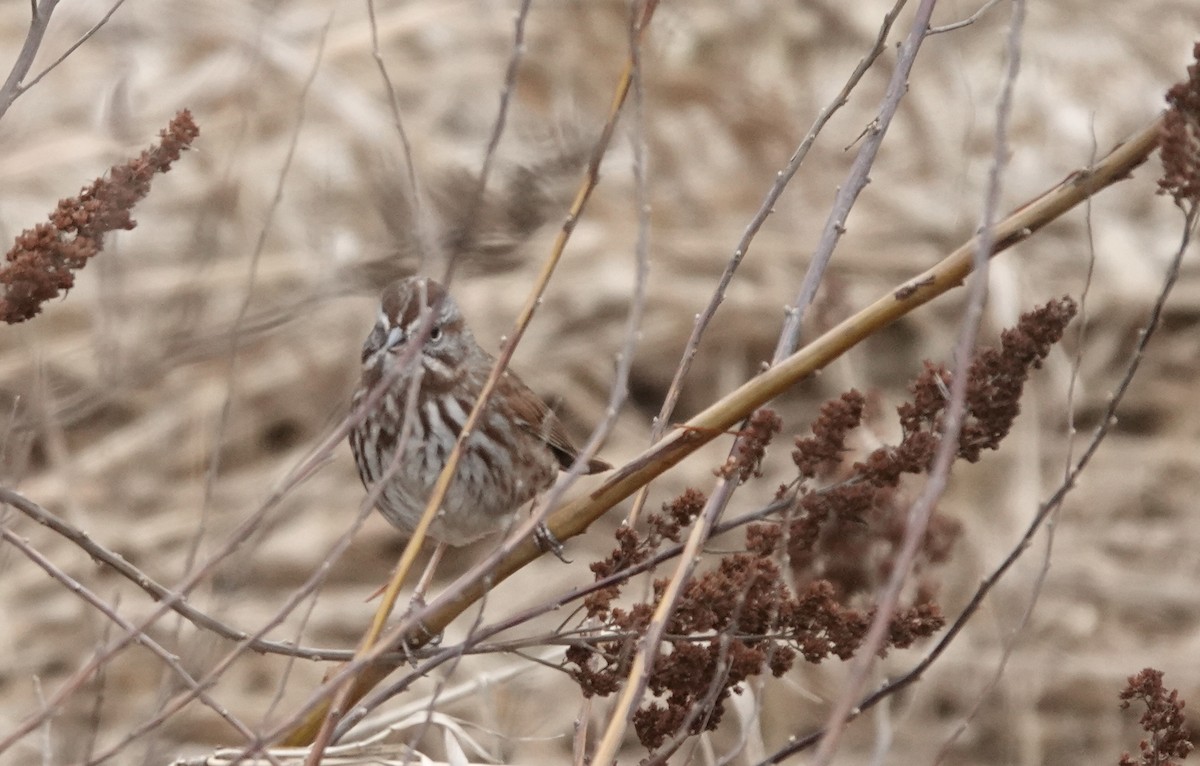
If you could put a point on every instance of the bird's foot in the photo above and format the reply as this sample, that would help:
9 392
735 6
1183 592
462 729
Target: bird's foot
546 540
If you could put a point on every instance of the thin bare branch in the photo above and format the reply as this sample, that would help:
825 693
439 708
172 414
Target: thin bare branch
489 154
214 467
12 87
968 21
619 390
856 181
634 688
922 510
782 179
73 47
1014 635
154 589
634 321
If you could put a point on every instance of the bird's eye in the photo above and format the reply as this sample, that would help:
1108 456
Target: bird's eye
435 334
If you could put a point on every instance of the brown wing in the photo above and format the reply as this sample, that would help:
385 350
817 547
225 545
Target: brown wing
532 414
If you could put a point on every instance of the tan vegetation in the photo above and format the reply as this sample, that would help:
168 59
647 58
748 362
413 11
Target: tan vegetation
167 404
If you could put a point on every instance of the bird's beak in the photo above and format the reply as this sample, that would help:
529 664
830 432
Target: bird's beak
395 337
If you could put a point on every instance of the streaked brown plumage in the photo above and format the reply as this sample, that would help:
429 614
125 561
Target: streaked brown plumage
515 452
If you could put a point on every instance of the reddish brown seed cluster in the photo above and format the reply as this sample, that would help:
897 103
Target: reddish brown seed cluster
746 461
1180 141
1163 720
42 261
756 611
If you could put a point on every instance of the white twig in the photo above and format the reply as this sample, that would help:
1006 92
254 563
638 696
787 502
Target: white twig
968 21
782 179
856 181
922 509
12 87
74 46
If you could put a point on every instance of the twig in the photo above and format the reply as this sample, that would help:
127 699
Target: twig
782 179
1010 640
703 706
33 40
856 180
80 676
489 153
634 687
939 473
968 21
96 713
74 46
154 589
260 243
506 93
620 388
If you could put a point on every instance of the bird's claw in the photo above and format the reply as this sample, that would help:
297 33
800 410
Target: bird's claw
546 540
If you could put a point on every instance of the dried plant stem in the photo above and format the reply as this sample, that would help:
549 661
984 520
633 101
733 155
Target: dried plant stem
856 181
619 389
968 21
489 153
232 357
424 236
72 48
921 510
637 309
639 674
13 86
41 11
320 724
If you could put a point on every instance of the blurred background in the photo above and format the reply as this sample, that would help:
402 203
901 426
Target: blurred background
204 353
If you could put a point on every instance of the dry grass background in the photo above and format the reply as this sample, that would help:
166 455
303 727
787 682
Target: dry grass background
126 410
